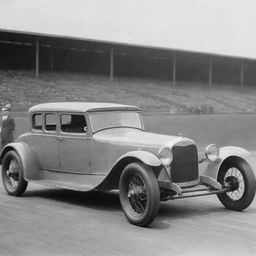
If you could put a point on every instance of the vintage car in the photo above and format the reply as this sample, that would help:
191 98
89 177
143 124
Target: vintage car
103 146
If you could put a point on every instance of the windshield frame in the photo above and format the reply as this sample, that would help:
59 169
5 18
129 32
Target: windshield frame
115 127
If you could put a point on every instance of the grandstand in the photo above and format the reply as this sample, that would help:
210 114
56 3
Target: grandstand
42 61
152 95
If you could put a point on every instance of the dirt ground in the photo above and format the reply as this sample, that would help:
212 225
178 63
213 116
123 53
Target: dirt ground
49 221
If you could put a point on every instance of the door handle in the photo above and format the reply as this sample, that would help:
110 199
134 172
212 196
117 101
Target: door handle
60 139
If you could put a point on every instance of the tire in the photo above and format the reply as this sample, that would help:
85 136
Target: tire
237 174
139 194
12 174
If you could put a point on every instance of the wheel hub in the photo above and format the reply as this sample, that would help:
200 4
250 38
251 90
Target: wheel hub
12 173
135 191
136 194
232 183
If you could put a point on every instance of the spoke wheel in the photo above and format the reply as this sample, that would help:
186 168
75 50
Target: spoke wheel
238 177
139 194
234 180
12 174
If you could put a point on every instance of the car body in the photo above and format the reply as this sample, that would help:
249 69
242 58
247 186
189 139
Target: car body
103 146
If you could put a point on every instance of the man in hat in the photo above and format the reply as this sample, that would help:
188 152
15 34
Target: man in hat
8 126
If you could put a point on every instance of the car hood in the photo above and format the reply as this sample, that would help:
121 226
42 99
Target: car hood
130 136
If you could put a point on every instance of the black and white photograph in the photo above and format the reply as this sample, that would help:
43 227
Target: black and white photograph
127 128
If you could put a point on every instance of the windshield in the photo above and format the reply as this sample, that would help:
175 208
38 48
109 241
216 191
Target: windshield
106 120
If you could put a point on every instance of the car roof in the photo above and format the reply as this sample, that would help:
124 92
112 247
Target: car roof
80 107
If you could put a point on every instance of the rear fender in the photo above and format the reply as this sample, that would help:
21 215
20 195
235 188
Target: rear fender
211 169
29 161
112 179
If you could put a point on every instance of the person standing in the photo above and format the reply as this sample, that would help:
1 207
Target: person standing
8 126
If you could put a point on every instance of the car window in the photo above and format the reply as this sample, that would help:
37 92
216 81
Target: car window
73 123
50 122
37 121
113 119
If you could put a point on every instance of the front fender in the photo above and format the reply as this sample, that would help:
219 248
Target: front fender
212 168
144 156
111 181
28 159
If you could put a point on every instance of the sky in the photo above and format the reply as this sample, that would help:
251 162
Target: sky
225 27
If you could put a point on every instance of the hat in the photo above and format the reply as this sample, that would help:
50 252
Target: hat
8 106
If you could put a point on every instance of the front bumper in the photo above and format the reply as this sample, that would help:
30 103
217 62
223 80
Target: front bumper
205 186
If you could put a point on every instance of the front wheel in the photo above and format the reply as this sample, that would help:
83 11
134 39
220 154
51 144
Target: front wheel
238 177
139 194
12 174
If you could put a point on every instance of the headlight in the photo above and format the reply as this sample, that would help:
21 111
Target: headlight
165 156
212 152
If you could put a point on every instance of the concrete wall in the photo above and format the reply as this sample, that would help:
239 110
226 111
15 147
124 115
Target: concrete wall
235 130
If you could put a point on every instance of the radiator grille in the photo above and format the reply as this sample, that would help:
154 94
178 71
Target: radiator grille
184 166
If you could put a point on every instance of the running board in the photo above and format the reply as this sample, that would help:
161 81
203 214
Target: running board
64 185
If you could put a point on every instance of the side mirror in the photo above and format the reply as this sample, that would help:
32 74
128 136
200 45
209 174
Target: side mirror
180 134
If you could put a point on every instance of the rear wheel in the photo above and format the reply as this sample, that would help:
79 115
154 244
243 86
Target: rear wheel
12 174
139 194
238 177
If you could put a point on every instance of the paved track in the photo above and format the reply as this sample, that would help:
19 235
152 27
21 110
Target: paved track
49 221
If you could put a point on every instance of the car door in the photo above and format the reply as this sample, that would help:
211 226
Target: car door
45 140
74 144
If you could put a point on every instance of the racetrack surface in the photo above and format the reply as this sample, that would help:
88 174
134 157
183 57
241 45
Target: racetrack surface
48 221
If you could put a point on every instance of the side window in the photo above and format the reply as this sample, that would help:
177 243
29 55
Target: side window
37 122
73 123
50 122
